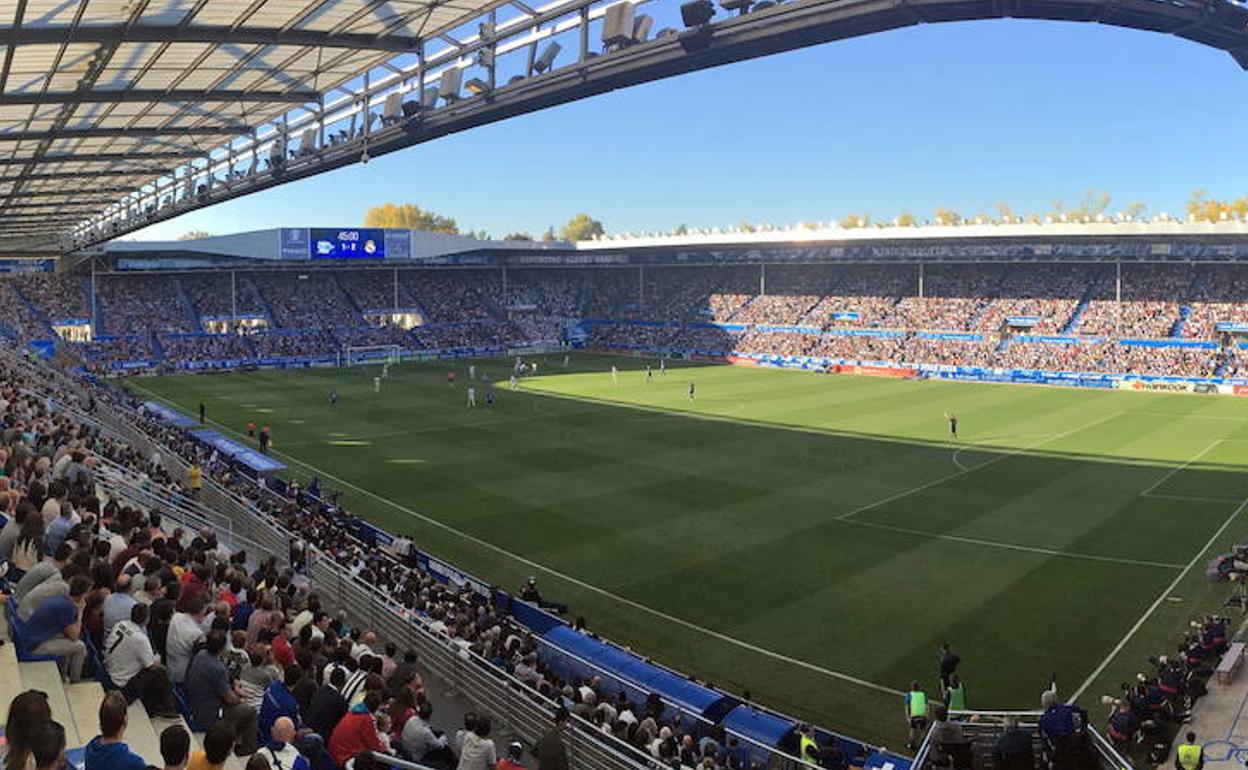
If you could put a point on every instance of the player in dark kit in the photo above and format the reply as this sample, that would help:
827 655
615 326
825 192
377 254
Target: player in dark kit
202 410
953 425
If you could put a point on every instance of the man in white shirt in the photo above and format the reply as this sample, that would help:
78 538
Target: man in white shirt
185 629
135 668
422 742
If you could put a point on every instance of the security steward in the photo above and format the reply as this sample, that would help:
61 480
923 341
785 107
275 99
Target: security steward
1189 755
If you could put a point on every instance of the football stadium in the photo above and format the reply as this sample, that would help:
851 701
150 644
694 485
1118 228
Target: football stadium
307 492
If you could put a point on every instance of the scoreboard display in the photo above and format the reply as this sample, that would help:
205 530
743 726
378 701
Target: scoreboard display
356 243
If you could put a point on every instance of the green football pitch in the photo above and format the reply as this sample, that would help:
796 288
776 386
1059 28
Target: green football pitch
811 539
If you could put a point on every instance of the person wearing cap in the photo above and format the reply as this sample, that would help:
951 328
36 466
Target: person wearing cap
549 751
512 761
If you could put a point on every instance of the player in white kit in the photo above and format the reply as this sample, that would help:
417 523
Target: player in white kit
472 397
376 384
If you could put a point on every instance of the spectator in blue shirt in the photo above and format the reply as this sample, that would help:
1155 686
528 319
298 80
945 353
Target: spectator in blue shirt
211 696
107 751
55 628
59 530
279 701
119 603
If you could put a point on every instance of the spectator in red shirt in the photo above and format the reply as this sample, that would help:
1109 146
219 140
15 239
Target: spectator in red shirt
357 731
283 653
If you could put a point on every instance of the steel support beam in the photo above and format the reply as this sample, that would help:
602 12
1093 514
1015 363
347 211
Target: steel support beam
123 132
196 33
104 157
110 96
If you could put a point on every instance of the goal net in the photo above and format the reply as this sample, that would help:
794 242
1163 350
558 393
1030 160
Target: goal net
356 355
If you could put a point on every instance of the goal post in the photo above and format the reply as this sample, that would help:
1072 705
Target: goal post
358 355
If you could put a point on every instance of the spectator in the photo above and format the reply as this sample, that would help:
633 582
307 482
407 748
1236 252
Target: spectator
515 752
28 710
212 698
357 731
478 752
108 751
328 706
47 746
135 668
424 744
55 629
1013 748
280 751
175 747
217 744
185 630
550 752
118 603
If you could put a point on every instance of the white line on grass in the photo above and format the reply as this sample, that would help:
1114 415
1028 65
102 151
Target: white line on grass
1191 498
1161 598
575 581
979 446
1178 468
1015 547
973 468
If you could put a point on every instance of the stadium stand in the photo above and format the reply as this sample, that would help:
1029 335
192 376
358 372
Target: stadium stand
1173 319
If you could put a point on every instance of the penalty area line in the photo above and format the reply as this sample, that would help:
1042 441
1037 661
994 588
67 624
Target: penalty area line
842 676
950 476
1014 546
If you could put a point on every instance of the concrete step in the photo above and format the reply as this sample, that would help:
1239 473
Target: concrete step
84 703
10 680
142 735
44 675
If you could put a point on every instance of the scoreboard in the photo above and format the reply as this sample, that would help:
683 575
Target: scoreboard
354 243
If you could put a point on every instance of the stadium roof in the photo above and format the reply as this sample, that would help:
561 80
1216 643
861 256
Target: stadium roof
114 93
115 114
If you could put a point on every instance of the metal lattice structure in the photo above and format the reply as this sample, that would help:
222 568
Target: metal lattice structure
115 114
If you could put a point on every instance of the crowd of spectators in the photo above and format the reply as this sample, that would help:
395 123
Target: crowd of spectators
282 344
207 347
624 336
453 295
210 293
317 312
58 295
376 290
311 300
137 304
17 317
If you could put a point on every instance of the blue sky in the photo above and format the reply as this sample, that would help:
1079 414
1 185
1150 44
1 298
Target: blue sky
959 115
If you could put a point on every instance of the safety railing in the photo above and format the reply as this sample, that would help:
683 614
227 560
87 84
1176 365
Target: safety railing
982 728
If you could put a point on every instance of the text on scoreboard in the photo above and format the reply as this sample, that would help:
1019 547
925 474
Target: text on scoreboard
355 243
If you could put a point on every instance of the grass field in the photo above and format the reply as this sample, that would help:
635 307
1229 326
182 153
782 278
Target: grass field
812 539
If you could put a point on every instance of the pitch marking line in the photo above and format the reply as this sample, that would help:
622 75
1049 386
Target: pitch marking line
1016 547
574 581
979 446
1192 498
949 476
1161 598
1178 468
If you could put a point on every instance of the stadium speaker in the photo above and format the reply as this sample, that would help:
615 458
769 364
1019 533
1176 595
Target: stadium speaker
697 13
617 25
448 84
410 108
547 59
